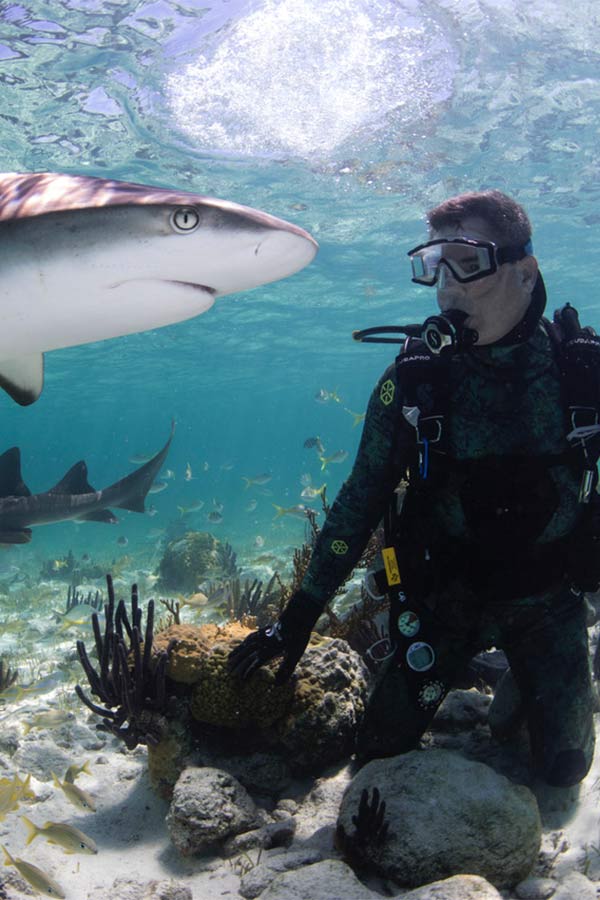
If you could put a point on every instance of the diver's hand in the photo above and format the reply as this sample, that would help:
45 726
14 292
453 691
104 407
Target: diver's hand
288 637
257 649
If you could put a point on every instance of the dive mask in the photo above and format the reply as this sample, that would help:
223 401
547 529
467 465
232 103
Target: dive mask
466 259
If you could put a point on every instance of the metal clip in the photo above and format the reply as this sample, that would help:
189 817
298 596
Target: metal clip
586 486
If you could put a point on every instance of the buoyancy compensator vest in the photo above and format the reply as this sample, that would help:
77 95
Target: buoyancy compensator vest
519 488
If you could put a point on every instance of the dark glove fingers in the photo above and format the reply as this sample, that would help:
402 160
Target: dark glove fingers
244 664
245 655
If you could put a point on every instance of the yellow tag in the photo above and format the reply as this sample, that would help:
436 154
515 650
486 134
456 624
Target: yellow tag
390 562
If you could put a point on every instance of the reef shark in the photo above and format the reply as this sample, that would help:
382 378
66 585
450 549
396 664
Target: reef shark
84 259
72 498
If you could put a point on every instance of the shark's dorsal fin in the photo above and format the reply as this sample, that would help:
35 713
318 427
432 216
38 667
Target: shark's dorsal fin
11 482
74 482
23 378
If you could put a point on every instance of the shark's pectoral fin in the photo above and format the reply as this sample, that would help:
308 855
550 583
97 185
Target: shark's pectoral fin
99 515
23 378
18 536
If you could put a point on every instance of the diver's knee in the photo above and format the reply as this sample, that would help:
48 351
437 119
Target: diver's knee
569 767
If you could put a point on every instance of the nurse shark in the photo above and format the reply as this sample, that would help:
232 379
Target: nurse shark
72 498
84 259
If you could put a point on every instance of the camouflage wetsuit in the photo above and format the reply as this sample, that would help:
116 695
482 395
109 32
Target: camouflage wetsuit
493 538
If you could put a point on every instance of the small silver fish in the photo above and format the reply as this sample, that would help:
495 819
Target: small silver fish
339 457
67 836
314 442
195 507
297 512
51 718
138 459
74 771
157 487
323 396
38 880
258 479
75 795
309 493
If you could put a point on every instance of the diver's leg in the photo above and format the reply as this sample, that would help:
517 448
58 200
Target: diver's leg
547 648
412 684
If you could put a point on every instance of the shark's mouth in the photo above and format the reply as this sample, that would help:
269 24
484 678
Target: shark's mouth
198 287
204 288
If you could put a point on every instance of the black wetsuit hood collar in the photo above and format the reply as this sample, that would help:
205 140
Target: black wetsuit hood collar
524 329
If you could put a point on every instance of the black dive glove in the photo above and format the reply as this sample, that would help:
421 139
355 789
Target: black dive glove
288 637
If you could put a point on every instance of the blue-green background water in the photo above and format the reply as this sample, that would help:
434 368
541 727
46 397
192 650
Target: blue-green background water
348 117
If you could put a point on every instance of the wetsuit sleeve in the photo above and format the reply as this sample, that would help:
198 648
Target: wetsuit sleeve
380 463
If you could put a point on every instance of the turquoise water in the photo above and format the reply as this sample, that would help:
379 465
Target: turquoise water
348 117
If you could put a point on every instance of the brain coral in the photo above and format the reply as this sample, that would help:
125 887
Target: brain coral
187 560
199 659
220 699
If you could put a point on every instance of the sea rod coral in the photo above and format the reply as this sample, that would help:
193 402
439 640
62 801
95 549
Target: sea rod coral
131 682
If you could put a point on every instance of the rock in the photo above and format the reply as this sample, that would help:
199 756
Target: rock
40 756
260 773
289 806
575 886
536 888
462 710
330 879
274 834
446 816
168 758
208 806
260 877
130 889
506 712
317 814
459 887
327 707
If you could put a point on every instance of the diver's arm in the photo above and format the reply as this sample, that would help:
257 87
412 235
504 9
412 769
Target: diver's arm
380 463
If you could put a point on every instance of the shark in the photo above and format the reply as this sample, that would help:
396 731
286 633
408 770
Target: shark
72 498
85 259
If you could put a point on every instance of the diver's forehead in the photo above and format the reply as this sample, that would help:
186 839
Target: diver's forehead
470 227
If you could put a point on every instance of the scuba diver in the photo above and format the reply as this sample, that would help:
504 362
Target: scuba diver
489 417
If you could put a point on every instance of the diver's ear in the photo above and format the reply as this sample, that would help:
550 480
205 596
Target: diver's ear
528 269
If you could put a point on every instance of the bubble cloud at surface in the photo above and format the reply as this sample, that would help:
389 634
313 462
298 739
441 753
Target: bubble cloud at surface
296 78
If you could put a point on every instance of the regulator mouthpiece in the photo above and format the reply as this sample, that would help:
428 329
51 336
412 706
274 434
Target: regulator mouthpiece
446 332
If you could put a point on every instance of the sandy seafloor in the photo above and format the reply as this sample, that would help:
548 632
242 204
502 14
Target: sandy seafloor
129 825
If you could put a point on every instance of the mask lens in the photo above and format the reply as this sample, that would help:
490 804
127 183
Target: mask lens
425 264
466 260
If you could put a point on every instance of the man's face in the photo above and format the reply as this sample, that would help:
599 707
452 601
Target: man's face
496 303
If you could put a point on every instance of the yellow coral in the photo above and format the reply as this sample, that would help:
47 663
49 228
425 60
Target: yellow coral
191 644
219 698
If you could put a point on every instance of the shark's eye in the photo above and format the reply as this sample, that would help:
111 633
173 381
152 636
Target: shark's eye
185 219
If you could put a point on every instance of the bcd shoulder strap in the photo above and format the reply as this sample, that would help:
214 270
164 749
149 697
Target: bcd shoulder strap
577 351
423 381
